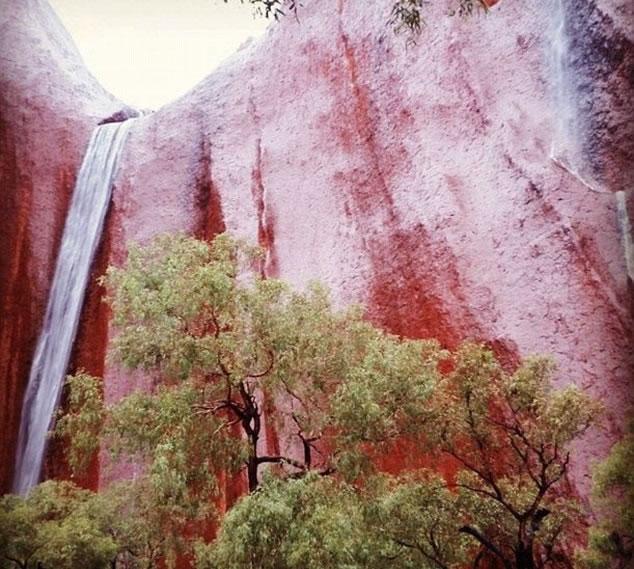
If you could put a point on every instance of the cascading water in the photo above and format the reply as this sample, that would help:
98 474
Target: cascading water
565 102
565 146
82 233
566 149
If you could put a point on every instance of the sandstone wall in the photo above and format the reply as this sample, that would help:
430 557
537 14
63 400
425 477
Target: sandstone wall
49 105
461 187
418 179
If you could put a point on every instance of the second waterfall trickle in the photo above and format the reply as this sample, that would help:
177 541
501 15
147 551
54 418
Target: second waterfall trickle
82 233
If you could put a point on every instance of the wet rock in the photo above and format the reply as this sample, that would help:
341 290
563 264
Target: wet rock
600 70
48 107
418 179
122 115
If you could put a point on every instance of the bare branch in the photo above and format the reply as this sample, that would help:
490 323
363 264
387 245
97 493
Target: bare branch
281 460
421 550
486 478
488 544
268 369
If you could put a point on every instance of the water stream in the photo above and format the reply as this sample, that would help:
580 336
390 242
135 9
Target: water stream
564 101
82 233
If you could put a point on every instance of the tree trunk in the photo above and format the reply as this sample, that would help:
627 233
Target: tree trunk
252 473
524 557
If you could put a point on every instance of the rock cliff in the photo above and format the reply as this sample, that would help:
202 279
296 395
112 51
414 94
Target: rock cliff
49 104
438 183
461 187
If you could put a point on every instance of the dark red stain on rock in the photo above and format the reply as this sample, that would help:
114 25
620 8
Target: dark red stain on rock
209 221
412 273
265 218
17 311
416 290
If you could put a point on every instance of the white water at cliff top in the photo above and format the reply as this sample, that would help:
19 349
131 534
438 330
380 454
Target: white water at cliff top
148 54
82 233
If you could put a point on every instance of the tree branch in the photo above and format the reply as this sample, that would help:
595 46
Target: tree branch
422 551
478 557
488 544
484 476
16 561
268 369
281 459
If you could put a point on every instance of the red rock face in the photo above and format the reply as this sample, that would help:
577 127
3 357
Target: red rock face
417 179
48 107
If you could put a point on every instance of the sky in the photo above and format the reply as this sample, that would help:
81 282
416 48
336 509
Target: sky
150 52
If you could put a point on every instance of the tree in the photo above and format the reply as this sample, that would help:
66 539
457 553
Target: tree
53 527
229 351
507 505
510 435
328 523
59 525
226 350
308 523
611 541
148 532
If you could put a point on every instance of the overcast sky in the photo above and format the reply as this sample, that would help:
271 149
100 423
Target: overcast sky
149 52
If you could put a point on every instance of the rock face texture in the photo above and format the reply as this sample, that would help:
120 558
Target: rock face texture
461 187
598 84
418 179
49 105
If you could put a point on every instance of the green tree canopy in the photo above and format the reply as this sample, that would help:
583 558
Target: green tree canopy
228 349
125 526
230 352
508 502
55 526
611 541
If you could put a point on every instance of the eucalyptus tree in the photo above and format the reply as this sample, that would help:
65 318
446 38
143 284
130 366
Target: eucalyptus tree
611 540
54 526
229 351
234 359
509 436
503 441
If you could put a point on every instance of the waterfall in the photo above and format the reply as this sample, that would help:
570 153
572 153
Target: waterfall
564 100
82 233
568 134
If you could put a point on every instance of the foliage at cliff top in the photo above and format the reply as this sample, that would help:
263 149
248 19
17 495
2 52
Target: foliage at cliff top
406 15
234 357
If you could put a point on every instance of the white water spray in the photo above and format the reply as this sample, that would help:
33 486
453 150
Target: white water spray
82 233
565 103
626 232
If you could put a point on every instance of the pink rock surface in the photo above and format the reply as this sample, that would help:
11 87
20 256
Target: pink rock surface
417 179
49 104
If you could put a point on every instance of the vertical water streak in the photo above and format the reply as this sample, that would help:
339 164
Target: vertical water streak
565 102
626 231
82 233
